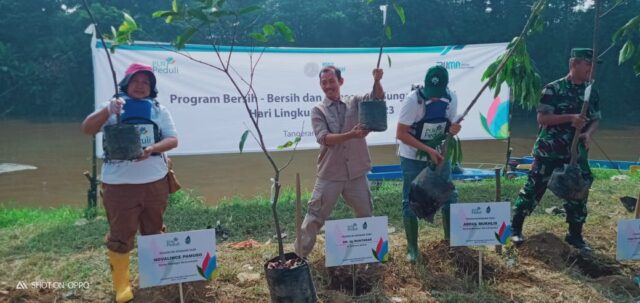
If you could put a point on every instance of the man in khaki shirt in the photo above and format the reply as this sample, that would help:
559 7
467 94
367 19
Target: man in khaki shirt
344 160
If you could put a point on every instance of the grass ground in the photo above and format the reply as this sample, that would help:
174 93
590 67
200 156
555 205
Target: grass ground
57 245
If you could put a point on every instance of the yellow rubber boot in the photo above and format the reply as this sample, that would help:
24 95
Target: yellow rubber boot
120 276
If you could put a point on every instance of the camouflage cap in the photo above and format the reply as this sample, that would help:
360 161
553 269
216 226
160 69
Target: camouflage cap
435 82
583 53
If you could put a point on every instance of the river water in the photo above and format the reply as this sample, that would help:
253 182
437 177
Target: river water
61 153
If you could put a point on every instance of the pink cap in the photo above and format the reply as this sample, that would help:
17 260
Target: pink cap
137 67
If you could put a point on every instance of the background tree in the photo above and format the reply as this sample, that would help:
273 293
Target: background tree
45 68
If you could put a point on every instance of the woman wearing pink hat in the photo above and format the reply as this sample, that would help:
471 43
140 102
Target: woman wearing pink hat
135 193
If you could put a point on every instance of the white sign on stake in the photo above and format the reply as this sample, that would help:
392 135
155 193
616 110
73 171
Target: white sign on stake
477 224
628 240
177 257
356 241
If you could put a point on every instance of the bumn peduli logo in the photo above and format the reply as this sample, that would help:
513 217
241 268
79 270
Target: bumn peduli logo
496 122
166 66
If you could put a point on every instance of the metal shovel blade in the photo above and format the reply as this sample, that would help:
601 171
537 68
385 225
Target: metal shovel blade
568 183
429 191
629 203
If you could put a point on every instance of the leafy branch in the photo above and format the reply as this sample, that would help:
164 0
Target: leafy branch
516 67
630 35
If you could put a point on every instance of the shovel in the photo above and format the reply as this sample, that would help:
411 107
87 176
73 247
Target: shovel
629 203
567 182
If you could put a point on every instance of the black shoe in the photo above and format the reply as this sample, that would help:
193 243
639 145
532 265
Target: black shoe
577 242
517 238
516 228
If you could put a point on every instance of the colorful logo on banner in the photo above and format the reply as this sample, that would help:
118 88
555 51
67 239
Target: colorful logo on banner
209 268
381 253
166 66
504 234
496 123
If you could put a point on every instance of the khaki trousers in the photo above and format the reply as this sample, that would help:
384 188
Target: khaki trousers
325 195
133 206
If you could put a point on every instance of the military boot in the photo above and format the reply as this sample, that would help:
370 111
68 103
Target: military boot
516 228
574 237
411 231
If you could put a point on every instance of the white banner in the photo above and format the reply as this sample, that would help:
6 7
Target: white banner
356 241
177 257
210 116
475 224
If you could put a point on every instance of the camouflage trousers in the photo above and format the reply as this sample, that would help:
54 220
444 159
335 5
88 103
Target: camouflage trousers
532 192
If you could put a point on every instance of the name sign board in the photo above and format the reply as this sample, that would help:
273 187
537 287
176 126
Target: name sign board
177 257
477 224
628 240
356 241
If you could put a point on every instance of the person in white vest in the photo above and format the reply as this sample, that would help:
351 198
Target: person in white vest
426 116
134 192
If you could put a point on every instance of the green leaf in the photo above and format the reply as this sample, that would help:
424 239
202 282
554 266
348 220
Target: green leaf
369 2
285 31
198 14
130 22
161 14
249 9
259 37
286 145
174 5
626 52
400 11
268 30
618 34
185 37
114 33
297 139
490 69
387 32
389 60
243 139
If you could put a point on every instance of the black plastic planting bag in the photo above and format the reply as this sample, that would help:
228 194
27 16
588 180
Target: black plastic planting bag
430 190
568 183
373 115
121 142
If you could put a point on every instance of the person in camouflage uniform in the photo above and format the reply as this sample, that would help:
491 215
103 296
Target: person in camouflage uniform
558 117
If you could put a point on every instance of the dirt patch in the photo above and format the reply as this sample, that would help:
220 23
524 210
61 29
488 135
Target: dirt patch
30 295
193 292
620 285
558 255
463 258
368 276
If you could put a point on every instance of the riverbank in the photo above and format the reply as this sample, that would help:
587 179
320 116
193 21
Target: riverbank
60 149
57 245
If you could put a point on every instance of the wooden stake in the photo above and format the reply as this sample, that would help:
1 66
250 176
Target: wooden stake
298 210
498 248
181 293
480 269
638 208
